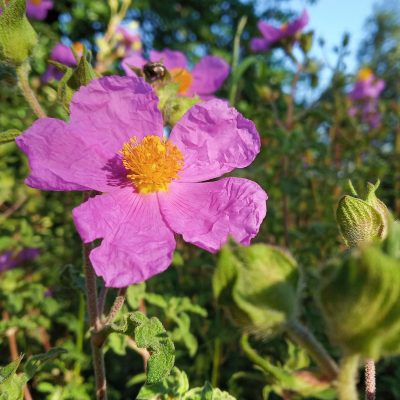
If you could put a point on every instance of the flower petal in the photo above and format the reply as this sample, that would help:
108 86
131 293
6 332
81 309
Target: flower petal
297 25
134 60
111 110
214 139
270 33
205 214
259 44
61 160
170 58
208 75
136 244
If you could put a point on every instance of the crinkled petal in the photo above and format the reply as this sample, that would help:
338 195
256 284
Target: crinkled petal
133 60
111 110
214 139
208 75
170 58
205 214
61 160
270 33
298 24
137 244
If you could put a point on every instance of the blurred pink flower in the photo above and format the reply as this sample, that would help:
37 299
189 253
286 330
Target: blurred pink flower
364 97
128 38
207 76
272 35
64 55
38 9
9 260
153 187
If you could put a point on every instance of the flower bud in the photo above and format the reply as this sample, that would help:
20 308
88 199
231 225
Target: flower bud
17 37
259 285
362 220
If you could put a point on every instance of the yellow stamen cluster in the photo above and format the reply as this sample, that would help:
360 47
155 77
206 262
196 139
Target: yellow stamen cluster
183 78
36 2
152 164
284 27
364 74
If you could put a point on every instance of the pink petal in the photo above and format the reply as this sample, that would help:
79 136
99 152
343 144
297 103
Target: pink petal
214 139
59 159
269 32
259 44
298 24
170 58
205 214
208 75
111 110
134 60
136 244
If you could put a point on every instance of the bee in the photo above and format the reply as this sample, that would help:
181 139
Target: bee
155 71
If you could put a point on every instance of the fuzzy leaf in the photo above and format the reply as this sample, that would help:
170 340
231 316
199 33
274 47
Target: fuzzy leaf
36 362
149 334
10 369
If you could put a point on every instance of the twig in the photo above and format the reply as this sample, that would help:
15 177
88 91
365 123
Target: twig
370 385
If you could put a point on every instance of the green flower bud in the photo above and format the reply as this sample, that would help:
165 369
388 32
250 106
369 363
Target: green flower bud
17 37
259 285
362 220
306 40
359 295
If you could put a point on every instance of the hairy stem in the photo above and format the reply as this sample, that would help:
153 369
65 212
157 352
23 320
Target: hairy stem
23 82
97 352
370 384
116 307
303 337
347 380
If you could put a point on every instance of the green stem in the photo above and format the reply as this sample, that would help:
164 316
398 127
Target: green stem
303 337
347 379
23 81
116 307
216 362
235 59
97 352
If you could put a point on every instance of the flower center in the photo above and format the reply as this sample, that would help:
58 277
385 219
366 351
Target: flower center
36 2
364 74
183 78
152 164
284 27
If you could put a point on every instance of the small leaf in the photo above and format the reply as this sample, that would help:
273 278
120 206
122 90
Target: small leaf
10 369
35 363
149 334
9 135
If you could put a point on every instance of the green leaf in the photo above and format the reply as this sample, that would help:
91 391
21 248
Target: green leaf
173 387
207 392
35 363
135 294
149 334
9 135
10 369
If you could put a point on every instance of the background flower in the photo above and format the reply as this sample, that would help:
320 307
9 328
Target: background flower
9 260
272 35
38 9
206 77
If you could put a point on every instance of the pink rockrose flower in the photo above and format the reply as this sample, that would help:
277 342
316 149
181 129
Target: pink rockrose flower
207 76
364 97
64 55
9 259
272 35
152 187
38 9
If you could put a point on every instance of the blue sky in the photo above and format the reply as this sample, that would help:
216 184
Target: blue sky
331 18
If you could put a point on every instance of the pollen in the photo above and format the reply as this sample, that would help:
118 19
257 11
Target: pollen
36 2
152 164
284 27
183 78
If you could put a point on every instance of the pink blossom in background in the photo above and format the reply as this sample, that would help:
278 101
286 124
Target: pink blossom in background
271 35
206 77
63 55
128 38
364 97
38 9
152 187
9 260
